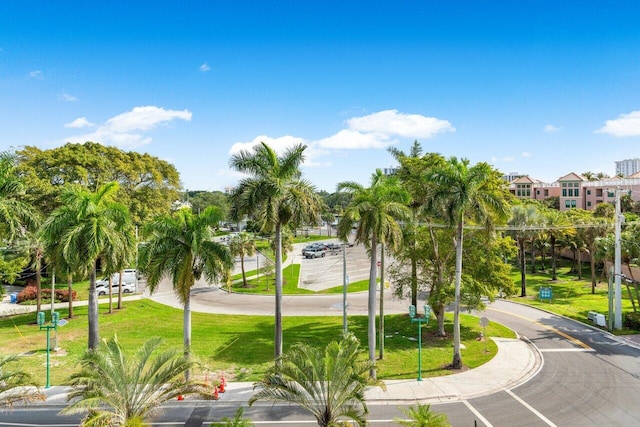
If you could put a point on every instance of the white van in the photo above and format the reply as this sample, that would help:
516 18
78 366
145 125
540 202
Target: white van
129 275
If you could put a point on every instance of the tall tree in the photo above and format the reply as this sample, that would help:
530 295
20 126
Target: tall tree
147 184
329 383
242 245
523 218
274 195
477 193
115 388
181 246
87 228
15 213
375 212
557 226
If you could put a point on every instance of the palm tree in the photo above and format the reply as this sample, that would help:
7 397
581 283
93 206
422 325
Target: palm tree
16 386
242 245
461 192
375 212
87 228
181 246
15 214
329 382
557 226
274 195
522 217
422 416
118 389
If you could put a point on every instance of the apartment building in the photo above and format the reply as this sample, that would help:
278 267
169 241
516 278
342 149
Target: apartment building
628 167
576 192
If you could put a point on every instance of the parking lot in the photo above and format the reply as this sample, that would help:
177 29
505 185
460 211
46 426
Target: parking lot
326 272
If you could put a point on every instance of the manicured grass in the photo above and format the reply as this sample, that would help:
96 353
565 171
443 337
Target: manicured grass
359 286
239 346
571 297
265 284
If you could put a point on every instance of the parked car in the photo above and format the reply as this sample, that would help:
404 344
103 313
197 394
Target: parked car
334 247
127 288
129 275
316 252
313 246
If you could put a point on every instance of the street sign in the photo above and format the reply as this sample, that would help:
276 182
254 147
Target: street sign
484 322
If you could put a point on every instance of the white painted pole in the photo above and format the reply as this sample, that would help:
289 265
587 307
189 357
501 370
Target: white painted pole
617 271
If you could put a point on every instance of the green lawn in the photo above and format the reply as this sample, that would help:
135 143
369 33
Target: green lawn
239 346
571 297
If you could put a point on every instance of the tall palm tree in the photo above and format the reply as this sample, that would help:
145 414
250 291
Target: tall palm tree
274 195
557 226
15 214
242 245
375 212
118 389
16 386
462 192
329 382
522 217
181 246
87 228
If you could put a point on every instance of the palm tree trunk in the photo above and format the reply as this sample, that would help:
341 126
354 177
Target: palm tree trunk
381 320
278 308
533 256
523 268
244 276
457 359
38 287
371 310
187 329
554 276
592 264
110 294
94 337
440 316
70 287
120 290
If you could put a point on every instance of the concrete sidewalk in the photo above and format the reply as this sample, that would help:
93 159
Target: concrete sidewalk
515 362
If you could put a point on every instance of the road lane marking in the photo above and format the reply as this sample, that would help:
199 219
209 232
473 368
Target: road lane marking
576 341
477 414
532 409
565 350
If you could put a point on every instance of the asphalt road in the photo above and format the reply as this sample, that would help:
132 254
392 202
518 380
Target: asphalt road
587 378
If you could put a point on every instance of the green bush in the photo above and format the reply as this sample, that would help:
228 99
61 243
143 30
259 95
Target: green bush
632 320
30 293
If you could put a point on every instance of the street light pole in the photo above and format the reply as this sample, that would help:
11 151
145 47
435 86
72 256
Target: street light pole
617 261
419 320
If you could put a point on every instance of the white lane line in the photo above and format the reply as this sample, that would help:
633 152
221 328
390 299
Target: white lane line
532 409
477 414
566 350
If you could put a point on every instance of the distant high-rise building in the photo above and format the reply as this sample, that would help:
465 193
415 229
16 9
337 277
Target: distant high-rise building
628 167
511 176
390 170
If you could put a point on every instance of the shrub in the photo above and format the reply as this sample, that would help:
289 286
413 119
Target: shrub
30 293
632 320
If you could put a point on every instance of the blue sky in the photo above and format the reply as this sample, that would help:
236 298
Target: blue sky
543 88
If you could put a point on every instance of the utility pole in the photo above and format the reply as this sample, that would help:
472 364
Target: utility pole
617 271
344 288
381 301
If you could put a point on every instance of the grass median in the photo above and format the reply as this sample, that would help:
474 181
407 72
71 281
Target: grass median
240 346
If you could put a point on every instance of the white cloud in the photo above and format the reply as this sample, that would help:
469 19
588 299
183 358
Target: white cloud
205 67
525 154
68 98
551 129
124 130
279 144
624 125
406 125
508 159
80 122
348 139
37 74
